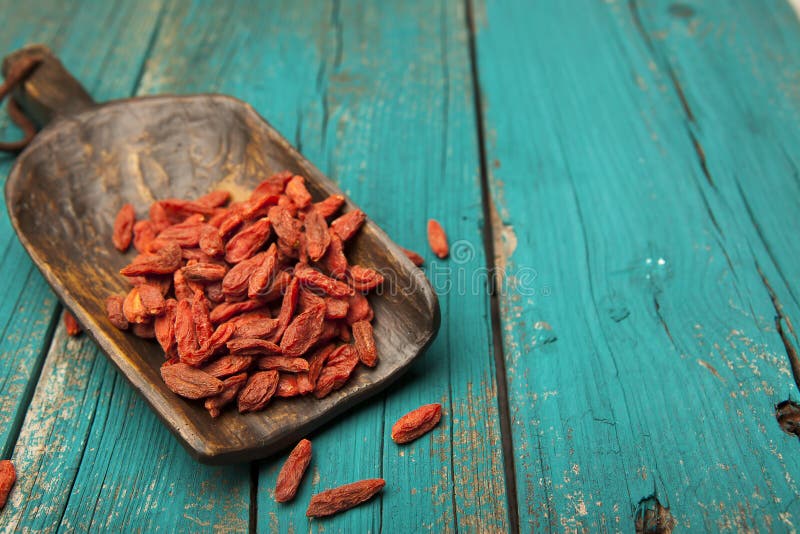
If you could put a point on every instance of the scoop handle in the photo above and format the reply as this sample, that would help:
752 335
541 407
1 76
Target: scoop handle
50 90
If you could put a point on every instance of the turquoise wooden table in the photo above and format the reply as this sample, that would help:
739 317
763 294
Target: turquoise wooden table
627 173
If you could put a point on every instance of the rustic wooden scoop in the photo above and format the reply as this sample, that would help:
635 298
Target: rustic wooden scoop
66 187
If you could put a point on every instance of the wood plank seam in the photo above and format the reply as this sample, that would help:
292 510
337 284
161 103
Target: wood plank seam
83 449
151 42
30 387
494 302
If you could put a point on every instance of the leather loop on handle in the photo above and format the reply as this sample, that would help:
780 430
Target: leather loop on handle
16 74
42 88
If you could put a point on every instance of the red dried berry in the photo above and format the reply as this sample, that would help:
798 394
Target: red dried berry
258 391
416 423
343 498
123 228
437 239
291 474
71 324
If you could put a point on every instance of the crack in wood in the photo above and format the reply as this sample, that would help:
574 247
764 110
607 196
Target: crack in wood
780 318
633 7
651 517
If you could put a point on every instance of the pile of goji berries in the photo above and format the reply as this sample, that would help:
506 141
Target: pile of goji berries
249 300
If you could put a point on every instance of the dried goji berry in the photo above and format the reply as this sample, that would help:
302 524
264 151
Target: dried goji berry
415 258
224 311
365 343
258 207
261 277
133 308
184 328
291 474
416 423
287 310
348 224
247 241
343 498
158 217
304 331
214 292
230 222
258 391
308 381
166 261
178 208
274 185
296 190
236 282
182 289
152 299
338 368
71 324
189 382
253 346
287 228
143 234
329 206
214 199
254 325
204 272
114 310
210 241
317 235
186 234
123 228
335 308
165 325
277 289
283 363
202 323
231 387
314 278
162 281
8 475
217 341
230 364
334 260
363 278
358 309
437 239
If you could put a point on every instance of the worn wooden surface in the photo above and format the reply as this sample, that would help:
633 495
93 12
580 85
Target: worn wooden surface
640 177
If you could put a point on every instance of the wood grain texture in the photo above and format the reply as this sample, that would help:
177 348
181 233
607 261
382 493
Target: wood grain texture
81 400
92 456
28 306
379 98
640 345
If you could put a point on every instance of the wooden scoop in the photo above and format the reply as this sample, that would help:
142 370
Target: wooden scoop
64 192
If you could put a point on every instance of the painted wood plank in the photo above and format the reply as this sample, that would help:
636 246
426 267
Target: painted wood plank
638 339
27 306
90 454
744 121
380 99
49 449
